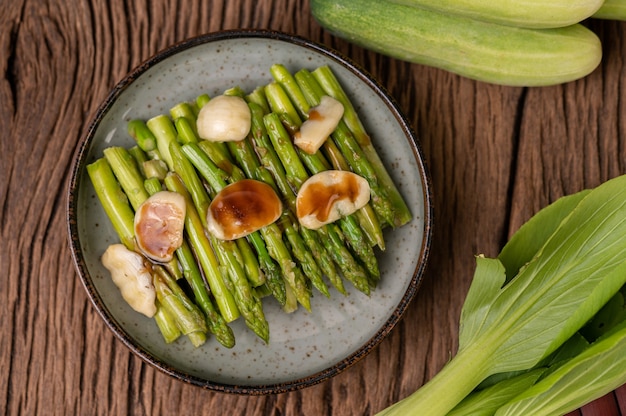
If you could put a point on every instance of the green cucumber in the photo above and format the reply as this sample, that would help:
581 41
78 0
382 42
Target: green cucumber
474 49
523 13
612 10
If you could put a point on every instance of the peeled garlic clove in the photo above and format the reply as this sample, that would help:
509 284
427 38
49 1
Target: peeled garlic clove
132 277
224 118
329 195
159 225
241 208
321 122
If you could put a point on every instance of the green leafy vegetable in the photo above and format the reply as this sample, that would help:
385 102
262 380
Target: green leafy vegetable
575 271
593 373
485 402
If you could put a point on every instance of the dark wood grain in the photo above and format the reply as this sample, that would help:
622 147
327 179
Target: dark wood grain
496 155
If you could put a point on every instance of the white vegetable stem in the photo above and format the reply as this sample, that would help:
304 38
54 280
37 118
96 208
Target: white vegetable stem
437 397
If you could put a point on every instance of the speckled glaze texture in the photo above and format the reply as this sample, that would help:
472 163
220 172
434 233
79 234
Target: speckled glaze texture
304 348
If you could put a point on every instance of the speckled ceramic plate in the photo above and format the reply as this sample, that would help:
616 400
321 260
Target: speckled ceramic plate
305 348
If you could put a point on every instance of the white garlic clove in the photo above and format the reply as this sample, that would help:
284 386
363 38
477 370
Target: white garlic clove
224 118
132 277
321 122
241 208
159 225
330 195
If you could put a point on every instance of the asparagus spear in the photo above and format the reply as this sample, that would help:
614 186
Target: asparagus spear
257 96
166 323
140 158
270 160
191 321
216 323
349 148
204 253
166 134
131 181
304 95
129 176
244 154
194 227
279 100
332 87
121 215
113 200
146 141
227 252
305 99
270 234
294 169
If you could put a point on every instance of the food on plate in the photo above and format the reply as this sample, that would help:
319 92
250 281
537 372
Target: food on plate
330 195
242 208
224 118
130 274
159 223
208 198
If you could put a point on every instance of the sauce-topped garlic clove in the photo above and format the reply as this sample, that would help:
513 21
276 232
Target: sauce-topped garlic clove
330 195
224 118
321 122
241 208
159 225
132 278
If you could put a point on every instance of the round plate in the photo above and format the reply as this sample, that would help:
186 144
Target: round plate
304 348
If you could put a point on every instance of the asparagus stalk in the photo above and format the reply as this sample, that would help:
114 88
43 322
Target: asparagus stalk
349 148
201 247
270 160
305 95
194 227
114 201
140 158
366 216
270 234
121 215
128 174
332 87
132 182
144 138
166 324
244 154
184 110
305 99
166 134
294 169
190 320
257 96
279 99
227 251
216 323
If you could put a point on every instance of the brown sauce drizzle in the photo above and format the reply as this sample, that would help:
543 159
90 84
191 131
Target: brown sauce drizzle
245 206
319 198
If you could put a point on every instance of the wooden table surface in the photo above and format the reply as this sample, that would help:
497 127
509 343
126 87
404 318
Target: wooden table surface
496 155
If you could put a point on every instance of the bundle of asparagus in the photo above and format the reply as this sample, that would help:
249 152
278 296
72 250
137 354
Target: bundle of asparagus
210 282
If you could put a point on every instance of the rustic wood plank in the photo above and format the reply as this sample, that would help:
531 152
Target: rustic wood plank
496 154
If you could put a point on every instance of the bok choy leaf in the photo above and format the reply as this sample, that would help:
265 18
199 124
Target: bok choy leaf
595 372
572 261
